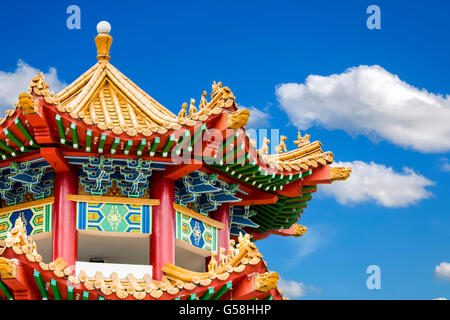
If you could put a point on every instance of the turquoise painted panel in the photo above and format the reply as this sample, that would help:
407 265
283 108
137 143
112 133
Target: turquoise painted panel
114 217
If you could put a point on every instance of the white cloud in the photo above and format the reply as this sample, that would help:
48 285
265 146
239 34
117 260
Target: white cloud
376 182
440 298
258 118
14 83
444 164
443 270
315 238
295 290
371 101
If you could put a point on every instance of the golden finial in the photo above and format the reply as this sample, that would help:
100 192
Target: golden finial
103 40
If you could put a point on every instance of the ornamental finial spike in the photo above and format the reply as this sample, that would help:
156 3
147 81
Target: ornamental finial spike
103 40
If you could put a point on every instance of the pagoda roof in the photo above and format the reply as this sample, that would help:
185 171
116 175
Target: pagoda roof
106 98
103 113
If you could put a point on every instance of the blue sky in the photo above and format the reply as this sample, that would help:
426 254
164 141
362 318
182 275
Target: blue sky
174 50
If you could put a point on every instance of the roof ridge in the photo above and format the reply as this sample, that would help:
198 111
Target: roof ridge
88 92
117 72
85 77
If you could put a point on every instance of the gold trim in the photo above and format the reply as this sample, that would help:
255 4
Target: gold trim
198 216
94 199
27 205
103 42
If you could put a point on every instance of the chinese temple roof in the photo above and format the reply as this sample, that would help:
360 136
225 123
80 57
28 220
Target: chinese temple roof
106 98
103 113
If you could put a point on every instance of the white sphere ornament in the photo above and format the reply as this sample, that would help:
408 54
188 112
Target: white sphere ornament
103 27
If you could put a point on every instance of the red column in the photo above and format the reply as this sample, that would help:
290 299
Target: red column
162 239
223 236
65 240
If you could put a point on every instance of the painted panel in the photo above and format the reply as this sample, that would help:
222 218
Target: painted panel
195 232
37 219
114 217
21 180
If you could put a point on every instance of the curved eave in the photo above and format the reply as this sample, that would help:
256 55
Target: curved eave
16 136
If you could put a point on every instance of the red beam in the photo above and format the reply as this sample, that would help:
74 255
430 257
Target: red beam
256 197
245 289
55 158
319 176
279 232
21 286
67 151
175 172
292 189
25 157
42 130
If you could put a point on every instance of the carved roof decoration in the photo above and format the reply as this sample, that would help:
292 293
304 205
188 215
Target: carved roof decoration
340 173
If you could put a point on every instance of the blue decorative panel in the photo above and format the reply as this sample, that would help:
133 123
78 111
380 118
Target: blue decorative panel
205 192
239 218
114 217
195 232
28 176
37 219
98 173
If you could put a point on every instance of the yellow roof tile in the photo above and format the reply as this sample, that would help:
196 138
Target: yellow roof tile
103 96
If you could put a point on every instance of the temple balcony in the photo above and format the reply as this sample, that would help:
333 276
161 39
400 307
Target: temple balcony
108 252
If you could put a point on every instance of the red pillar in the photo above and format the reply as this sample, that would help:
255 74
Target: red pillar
162 239
223 236
222 214
65 240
